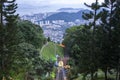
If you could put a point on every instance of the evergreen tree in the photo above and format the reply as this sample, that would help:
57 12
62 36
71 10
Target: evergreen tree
115 39
109 43
97 45
93 15
8 36
1 12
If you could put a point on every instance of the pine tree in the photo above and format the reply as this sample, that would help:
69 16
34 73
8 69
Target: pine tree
1 13
7 10
8 36
93 15
116 38
108 23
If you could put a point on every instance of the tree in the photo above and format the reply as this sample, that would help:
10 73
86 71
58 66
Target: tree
116 39
77 40
8 35
31 33
95 16
7 10
97 44
1 12
114 10
109 43
48 39
32 40
20 42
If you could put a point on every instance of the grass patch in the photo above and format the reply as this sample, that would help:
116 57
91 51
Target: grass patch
50 50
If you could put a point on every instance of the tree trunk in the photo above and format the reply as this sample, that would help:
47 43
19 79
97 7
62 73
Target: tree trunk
96 76
92 76
105 74
118 74
119 70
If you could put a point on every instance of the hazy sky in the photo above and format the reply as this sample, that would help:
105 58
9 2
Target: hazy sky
36 6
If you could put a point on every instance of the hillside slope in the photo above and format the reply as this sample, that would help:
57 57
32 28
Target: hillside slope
67 17
50 50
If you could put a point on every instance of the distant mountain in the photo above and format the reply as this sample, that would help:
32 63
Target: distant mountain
69 9
66 16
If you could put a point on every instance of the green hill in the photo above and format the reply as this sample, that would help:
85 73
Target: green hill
50 49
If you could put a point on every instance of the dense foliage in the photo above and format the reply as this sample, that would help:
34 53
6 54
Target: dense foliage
96 45
8 35
20 42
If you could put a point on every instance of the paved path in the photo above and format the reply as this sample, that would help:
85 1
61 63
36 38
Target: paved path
59 76
43 48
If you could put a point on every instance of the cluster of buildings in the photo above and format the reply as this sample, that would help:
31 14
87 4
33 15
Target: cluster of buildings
54 29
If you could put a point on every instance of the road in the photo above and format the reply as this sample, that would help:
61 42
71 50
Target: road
59 75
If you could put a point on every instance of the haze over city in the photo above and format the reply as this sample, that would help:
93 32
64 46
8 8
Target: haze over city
40 6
